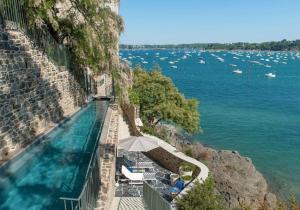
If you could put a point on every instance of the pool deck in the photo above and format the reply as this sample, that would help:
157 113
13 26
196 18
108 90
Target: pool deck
110 194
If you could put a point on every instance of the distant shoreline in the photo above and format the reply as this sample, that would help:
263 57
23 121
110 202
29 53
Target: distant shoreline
210 50
284 45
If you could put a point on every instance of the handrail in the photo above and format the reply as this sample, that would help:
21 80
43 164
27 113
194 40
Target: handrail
153 199
88 178
14 17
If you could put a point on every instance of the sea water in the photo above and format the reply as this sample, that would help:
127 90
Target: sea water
250 112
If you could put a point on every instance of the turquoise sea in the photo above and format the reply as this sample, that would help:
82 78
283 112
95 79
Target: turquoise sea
252 113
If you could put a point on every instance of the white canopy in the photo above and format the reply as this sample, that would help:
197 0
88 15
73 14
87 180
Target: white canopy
138 144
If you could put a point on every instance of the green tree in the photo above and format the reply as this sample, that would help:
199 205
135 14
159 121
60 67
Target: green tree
160 100
293 203
201 197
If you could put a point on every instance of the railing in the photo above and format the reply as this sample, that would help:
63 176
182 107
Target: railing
13 16
153 199
88 197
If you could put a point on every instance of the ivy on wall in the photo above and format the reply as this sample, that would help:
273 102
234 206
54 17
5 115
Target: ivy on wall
89 30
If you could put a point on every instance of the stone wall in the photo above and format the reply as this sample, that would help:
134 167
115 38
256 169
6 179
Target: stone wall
34 93
168 160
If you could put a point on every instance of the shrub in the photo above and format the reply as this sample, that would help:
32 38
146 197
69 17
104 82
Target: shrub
201 197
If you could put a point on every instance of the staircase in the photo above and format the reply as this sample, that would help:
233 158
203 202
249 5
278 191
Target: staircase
130 203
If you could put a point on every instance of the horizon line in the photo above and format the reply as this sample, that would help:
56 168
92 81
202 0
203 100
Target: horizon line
245 42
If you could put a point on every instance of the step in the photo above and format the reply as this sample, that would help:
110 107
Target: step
132 203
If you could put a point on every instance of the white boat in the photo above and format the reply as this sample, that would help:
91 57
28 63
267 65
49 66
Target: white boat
202 61
268 66
220 59
174 67
233 65
144 62
270 75
237 71
171 62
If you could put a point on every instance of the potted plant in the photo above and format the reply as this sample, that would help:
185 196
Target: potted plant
187 179
186 169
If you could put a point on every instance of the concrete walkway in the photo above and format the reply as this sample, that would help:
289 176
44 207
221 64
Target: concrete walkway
123 128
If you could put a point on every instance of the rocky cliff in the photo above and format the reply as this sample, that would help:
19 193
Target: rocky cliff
236 178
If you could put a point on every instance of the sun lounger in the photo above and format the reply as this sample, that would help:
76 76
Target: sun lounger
137 178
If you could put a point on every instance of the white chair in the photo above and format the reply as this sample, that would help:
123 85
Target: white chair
137 178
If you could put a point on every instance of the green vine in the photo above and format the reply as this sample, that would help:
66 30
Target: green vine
93 41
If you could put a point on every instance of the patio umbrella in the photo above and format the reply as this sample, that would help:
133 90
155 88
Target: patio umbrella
138 144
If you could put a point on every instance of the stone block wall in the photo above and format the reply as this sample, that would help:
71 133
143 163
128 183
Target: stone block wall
34 93
168 160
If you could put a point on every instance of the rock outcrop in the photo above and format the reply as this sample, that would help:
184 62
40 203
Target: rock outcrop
236 178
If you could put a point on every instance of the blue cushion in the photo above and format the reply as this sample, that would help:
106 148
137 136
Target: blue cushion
179 184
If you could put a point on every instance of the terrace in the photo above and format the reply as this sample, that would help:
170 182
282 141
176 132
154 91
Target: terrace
160 191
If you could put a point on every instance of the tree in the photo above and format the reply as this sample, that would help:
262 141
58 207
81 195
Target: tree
293 203
160 100
201 197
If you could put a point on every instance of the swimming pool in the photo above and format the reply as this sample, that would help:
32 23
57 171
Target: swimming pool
54 166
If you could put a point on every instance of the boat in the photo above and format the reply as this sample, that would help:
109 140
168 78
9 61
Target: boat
233 65
144 62
271 75
237 71
174 67
171 62
220 59
202 61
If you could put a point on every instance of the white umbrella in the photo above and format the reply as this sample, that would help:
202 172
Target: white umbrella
138 144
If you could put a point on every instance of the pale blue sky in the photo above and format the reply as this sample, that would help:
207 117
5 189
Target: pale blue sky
203 21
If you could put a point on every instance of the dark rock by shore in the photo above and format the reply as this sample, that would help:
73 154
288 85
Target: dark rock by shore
237 179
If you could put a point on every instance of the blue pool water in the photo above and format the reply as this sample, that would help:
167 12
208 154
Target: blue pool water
251 113
54 166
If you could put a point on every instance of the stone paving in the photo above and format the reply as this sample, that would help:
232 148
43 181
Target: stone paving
129 190
108 162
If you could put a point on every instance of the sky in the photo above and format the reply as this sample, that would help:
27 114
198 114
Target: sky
209 21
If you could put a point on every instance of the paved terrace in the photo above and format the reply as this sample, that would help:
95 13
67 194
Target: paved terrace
130 190
204 171
137 202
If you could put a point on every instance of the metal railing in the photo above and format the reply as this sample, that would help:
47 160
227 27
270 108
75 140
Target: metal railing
88 197
14 16
153 199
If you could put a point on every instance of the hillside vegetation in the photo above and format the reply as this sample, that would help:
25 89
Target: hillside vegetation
87 27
